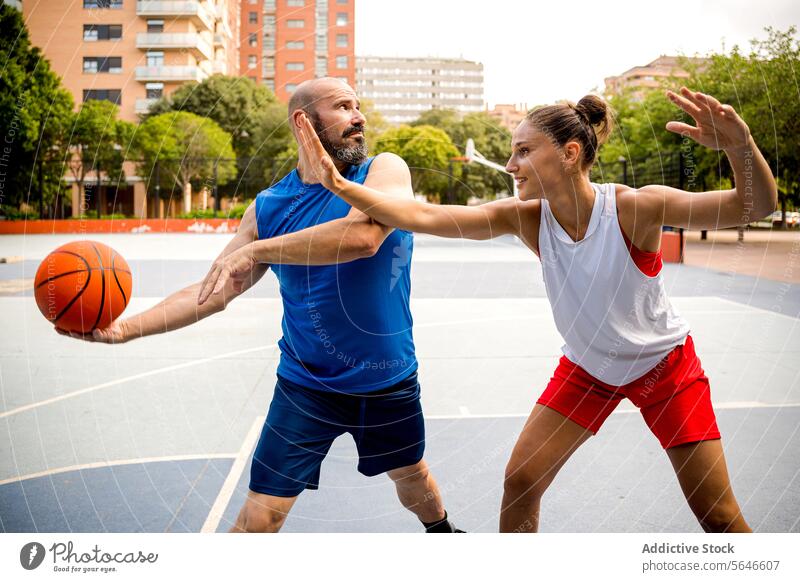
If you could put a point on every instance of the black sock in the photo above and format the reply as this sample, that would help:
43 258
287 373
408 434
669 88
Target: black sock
441 526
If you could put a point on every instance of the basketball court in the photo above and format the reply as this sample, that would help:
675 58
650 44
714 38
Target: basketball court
156 435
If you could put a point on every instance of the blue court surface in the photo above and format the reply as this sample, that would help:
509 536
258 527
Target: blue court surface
156 435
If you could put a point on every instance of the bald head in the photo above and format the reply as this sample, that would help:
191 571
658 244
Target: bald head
309 92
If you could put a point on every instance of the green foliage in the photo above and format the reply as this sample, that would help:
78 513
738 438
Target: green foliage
236 211
491 139
760 85
8 212
180 148
249 112
34 115
427 151
98 140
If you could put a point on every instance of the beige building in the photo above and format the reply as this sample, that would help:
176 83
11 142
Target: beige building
647 77
403 88
131 53
509 115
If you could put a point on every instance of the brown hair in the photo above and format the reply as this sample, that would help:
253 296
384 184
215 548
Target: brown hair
588 122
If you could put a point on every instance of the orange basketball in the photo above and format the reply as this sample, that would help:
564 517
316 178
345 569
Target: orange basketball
83 285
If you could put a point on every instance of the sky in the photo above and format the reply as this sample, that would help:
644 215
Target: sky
539 52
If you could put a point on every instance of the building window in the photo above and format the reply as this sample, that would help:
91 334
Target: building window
295 2
102 4
154 90
113 95
341 19
341 40
291 87
155 25
155 58
252 61
341 62
341 1
270 84
295 66
94 32
102 64
252 39
295 23
252 17
295 44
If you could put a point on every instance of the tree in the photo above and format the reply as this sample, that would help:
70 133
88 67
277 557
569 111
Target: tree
34 109
179 148
376 123
96 141
491 139
767 81
427 151
249 112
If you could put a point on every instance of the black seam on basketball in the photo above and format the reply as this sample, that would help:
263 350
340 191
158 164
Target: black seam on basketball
60 275
85 285
113 270
85 262
102 287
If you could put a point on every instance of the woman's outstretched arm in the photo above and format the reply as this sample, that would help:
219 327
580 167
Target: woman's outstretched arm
479 222
719 127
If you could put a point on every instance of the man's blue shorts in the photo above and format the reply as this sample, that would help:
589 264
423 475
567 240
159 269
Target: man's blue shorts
301 424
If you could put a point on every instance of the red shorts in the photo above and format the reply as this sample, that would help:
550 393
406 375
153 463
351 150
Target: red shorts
674 397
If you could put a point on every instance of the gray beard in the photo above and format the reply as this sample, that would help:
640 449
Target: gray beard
352 155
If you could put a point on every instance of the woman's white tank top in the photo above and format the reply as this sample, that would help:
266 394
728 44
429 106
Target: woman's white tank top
616 321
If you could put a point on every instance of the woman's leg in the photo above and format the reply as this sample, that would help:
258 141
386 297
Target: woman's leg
703 476
546 442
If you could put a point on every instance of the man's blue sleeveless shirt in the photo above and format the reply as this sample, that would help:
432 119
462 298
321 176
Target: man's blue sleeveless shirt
346 327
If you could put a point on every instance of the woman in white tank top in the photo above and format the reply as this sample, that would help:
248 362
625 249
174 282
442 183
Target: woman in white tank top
618 325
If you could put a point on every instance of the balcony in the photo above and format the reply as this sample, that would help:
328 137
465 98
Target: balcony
181 40
194 9
143 105
170 73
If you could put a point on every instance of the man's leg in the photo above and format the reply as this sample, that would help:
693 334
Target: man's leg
703 476
262 513
547 441
418 492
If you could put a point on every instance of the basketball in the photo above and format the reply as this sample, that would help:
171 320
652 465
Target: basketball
83 285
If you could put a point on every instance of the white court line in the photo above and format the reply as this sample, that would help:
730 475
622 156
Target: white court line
759 309
134 377
722 406
225 494
101 464
220 357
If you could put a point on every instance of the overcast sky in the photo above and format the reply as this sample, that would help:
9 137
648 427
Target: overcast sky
538 52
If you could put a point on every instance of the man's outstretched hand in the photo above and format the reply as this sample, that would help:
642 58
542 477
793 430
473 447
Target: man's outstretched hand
238 266
116 333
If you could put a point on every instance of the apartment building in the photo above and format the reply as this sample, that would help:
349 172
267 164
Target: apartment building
286 42
509 115
403 88
132 52
641 79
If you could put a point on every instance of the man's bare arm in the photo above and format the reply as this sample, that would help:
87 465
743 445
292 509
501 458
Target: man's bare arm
338 241
181 309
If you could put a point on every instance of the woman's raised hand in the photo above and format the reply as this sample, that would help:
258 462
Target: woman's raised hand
718 126
320 163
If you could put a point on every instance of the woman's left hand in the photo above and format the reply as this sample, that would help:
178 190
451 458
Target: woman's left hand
719 127
318 159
